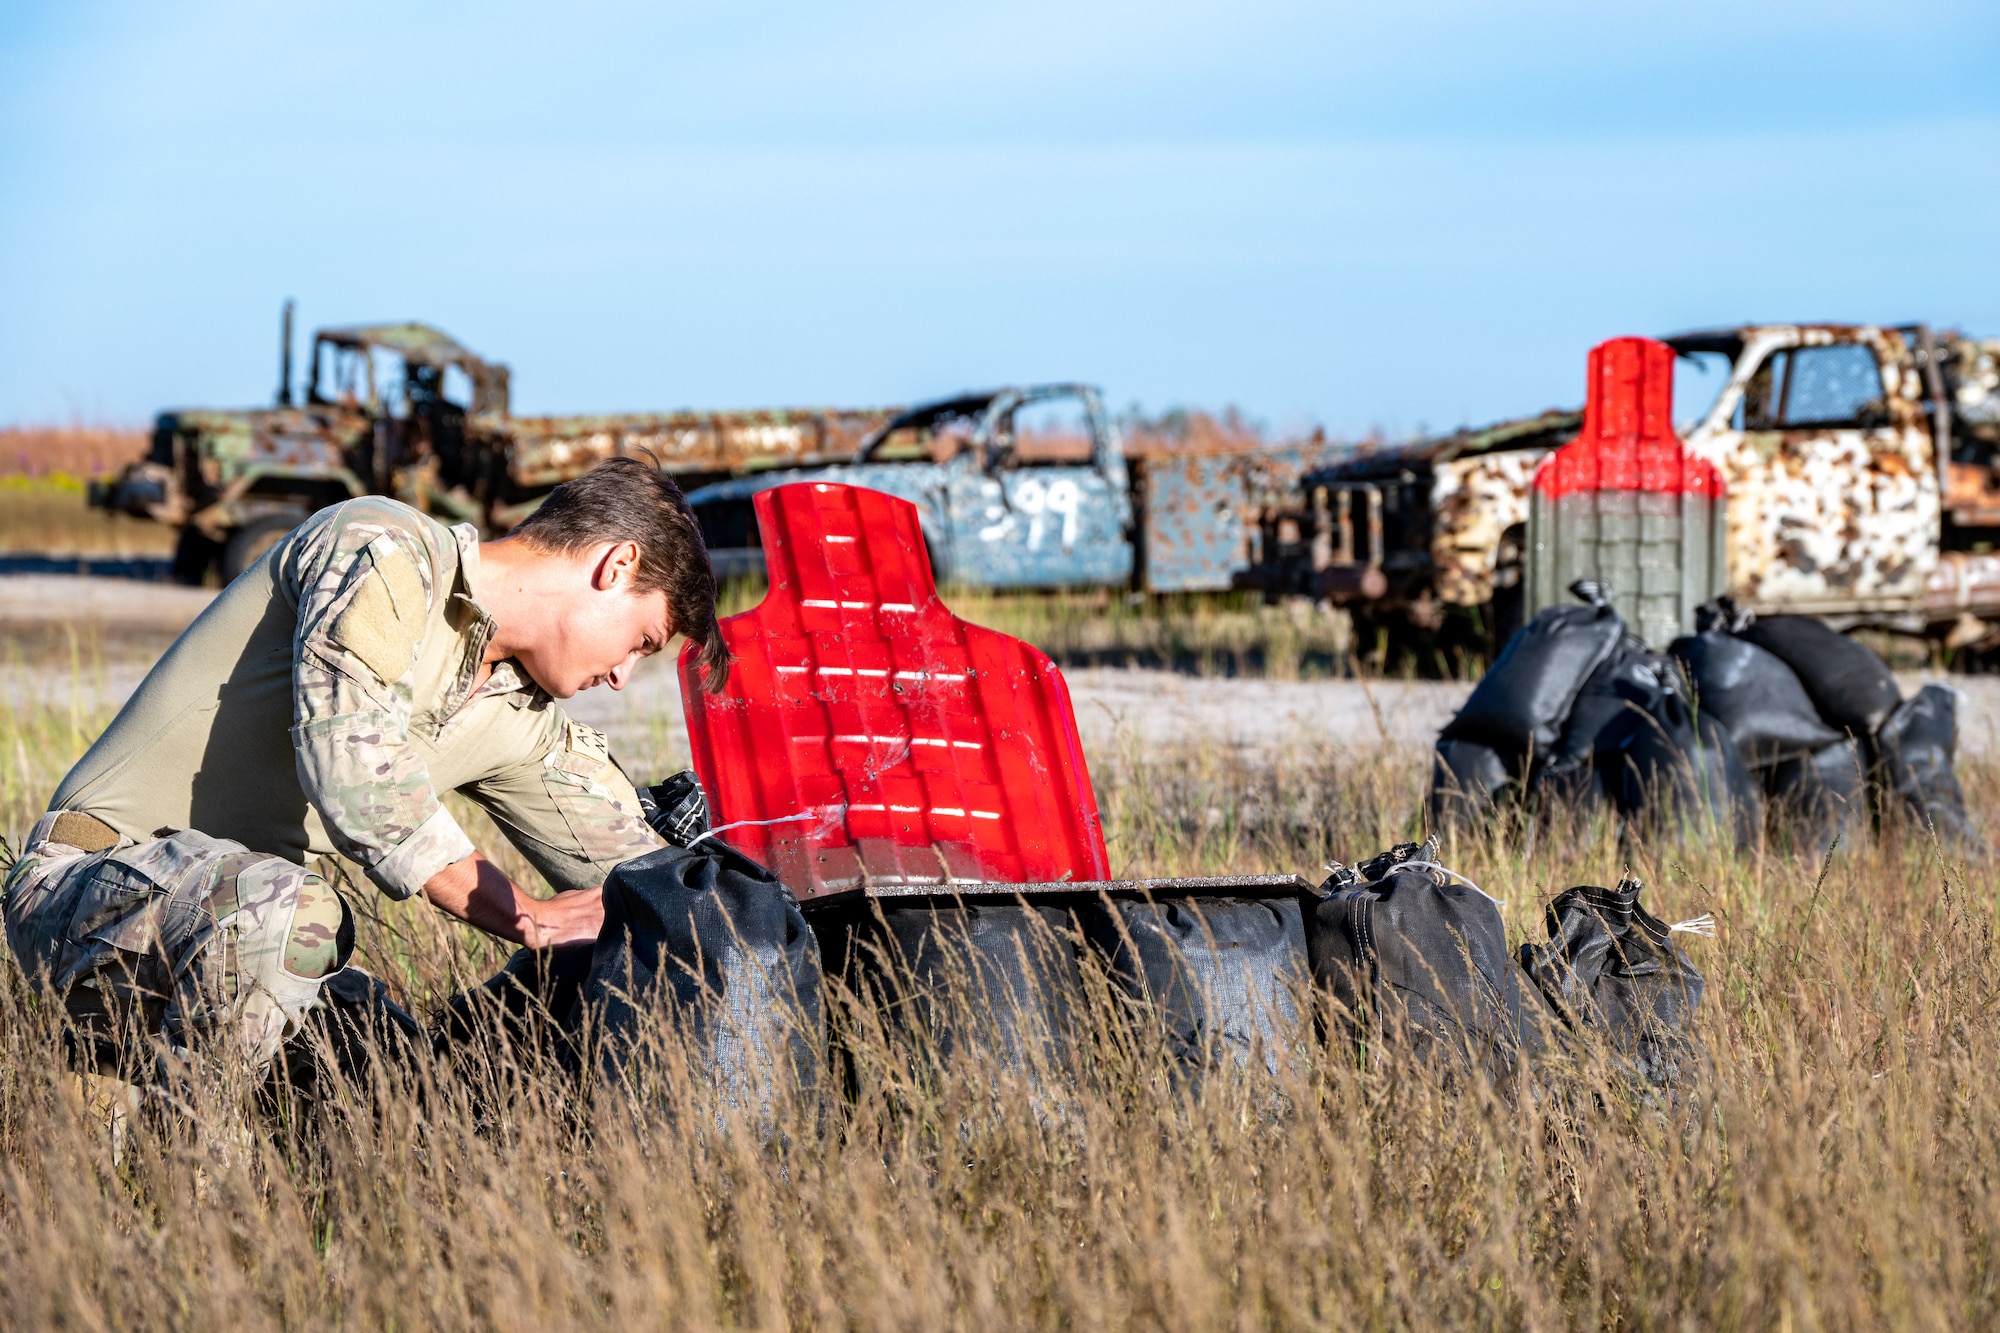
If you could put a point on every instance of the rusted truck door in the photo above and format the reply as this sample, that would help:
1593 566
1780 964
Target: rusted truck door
1048 505
1625 503
1827 458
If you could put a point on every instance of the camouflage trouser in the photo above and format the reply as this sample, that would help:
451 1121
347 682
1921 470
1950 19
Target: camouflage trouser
187 936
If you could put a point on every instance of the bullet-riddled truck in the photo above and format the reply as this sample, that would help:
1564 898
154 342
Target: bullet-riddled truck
405 410
1861 467
1034 486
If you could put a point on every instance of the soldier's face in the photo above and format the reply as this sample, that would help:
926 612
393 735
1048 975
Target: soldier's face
601 632
600 639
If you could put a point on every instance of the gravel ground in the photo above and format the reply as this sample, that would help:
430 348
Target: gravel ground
1113 706
1141 707
124 605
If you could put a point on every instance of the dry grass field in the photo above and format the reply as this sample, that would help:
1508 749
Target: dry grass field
1225 634
42 476
48 516
1830 1163
1222 634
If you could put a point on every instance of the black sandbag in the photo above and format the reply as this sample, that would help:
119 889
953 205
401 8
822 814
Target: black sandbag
677 808
1569 780
354 1024
938 965
1566 788
1754 695
1816 800
529 1002
537 985
1607 697
1407 948
1520 705
1223 974
1850 686
1721 614
1668 765
1916 748
1612 967
1466 778
721 942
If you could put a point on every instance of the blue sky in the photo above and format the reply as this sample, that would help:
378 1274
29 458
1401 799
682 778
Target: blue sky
1363 216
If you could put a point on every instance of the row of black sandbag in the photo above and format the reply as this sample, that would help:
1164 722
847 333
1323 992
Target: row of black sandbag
1223 975
719 943
1411 948
1820 715
1781 715
1577 711
722 946
1413 953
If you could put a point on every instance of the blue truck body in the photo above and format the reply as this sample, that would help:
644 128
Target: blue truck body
1032 488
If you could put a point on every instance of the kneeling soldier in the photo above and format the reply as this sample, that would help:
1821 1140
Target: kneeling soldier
374 659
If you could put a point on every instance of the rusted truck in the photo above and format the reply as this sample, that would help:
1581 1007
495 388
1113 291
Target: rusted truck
406 410
1861 466
1035 487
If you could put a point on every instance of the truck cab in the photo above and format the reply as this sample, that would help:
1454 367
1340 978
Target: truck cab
1825 436
1021 487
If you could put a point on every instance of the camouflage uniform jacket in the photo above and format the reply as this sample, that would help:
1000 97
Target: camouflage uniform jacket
328 696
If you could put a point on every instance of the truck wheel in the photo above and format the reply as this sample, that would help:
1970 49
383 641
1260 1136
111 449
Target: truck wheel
254 538
194 556
1508 610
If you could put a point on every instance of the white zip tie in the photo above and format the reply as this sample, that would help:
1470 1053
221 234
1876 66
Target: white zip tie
1703 925
751 823
1445 869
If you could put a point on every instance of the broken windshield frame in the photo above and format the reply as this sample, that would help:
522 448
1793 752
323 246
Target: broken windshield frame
341 374
935 433
1700 376
1051 428
381 380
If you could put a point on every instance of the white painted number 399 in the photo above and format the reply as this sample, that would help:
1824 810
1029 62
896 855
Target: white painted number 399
1039 501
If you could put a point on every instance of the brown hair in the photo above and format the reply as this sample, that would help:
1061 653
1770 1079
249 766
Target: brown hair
624 499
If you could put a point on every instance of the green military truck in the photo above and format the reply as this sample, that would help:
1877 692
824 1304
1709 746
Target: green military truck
406 410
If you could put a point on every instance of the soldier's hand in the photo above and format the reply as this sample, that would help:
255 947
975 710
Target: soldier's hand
479 893
567 918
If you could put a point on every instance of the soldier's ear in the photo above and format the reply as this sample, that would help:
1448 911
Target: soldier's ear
617 567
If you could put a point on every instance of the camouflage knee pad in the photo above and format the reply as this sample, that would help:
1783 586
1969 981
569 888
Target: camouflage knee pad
185 935
281 931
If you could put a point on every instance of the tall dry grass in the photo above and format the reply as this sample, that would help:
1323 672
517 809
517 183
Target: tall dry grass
1830 1163
68 451
49 516
1223 634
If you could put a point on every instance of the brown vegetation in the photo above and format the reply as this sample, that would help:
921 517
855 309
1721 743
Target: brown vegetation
1195 431
48 516
1826 1166
68 451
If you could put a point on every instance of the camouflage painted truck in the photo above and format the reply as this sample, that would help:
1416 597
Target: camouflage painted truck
405 410
1861 467
1035 487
